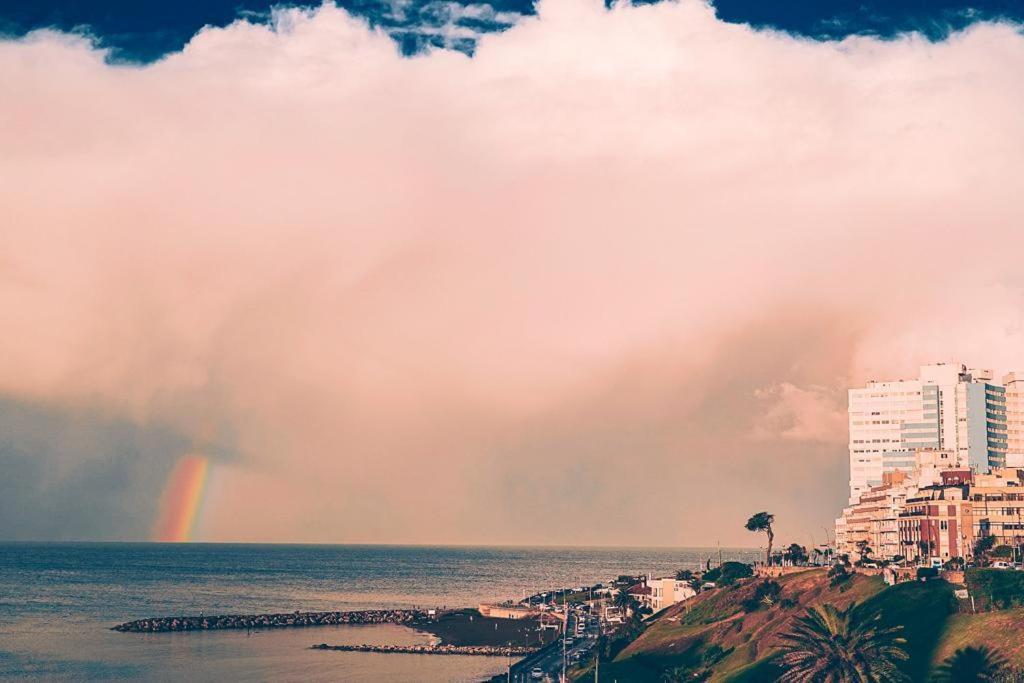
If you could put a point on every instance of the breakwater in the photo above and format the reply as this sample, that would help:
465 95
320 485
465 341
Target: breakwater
476 650
255 621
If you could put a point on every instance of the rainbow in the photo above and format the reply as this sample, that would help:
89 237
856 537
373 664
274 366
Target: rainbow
182 499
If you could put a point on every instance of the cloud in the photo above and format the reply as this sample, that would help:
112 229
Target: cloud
453 299
72 474
801 413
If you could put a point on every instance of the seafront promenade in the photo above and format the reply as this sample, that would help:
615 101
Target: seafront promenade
288 620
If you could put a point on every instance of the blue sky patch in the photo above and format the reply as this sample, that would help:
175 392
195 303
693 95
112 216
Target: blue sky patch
145 31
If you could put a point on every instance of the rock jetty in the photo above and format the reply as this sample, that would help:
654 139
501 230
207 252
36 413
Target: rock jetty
474 650
256 621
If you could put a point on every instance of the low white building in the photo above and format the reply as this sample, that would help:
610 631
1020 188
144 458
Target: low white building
668 591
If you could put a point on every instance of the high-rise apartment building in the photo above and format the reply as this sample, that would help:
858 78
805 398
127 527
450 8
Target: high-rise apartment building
1014 384
948 407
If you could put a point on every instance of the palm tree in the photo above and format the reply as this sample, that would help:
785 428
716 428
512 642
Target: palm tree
624 600
828 644
970 664
762 521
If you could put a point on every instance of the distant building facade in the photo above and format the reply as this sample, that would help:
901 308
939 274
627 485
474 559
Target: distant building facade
937 520
997 505
938 508
874 519
949 407
935 513
1014 384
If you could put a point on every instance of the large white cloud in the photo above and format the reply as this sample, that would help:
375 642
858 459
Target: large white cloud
586 272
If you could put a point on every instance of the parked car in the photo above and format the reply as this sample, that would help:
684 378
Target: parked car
1000 564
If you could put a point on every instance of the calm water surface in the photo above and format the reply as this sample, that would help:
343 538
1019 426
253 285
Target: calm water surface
58 600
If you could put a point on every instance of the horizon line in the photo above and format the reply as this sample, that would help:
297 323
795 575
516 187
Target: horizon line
377 545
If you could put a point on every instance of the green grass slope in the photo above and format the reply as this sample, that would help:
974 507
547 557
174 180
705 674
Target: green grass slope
713 632
923 609
689 634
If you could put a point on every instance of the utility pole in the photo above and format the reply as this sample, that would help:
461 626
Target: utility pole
565 632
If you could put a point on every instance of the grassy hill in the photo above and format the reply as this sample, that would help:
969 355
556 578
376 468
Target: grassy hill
714 632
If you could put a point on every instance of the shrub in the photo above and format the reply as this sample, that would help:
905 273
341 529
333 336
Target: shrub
997 587
765 594
714 654
983 545
839 574
728 573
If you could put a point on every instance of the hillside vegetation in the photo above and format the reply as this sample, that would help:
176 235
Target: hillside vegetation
732 634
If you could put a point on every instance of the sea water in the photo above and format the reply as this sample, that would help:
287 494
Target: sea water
59 600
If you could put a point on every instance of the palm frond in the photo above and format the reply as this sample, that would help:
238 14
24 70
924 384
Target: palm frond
828 645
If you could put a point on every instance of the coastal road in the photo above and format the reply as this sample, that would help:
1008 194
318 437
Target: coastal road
551 662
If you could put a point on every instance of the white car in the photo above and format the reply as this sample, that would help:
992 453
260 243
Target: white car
1002 565
536 673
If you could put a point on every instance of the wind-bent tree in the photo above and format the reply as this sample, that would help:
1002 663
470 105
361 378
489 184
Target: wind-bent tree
762 521
828 644
970 664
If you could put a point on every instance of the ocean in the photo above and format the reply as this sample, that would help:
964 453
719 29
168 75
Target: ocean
59 600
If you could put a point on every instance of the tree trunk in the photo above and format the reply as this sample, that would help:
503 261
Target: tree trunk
768 553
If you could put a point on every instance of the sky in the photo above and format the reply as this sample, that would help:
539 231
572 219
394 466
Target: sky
566 274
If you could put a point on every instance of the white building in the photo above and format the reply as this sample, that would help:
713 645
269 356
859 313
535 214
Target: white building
1014 419
667 592
875 518
948 407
